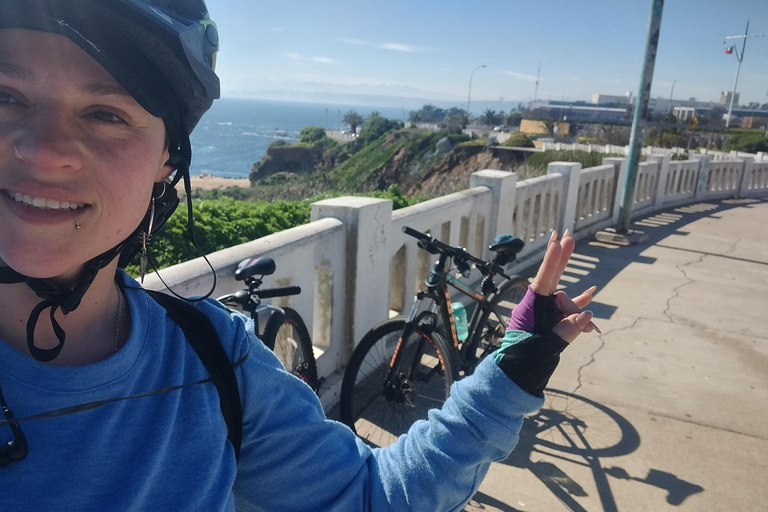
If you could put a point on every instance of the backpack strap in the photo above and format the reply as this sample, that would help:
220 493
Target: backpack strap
201 334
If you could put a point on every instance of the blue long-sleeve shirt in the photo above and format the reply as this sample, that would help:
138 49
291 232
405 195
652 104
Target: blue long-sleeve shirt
170 452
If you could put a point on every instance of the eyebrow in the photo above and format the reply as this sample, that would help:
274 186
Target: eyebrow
96 89
17 72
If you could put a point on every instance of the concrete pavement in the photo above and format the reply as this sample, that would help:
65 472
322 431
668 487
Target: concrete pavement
668 408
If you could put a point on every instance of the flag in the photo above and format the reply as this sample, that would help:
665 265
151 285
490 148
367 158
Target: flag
729 50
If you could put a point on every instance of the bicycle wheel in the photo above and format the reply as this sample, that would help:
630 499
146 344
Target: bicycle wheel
493 323
424 371
287 336
577 425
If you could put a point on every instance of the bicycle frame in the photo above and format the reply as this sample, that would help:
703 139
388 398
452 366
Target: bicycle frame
438 292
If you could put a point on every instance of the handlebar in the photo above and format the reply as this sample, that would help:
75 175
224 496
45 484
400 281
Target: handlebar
280 291
435 246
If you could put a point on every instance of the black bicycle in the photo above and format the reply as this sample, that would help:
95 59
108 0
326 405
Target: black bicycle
284 331
405 366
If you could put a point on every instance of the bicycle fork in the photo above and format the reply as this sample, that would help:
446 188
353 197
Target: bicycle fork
398 386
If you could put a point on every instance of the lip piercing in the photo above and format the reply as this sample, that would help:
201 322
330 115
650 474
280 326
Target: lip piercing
19 155
77 224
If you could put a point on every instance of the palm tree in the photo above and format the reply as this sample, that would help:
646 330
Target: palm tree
489 117
353 119
549 125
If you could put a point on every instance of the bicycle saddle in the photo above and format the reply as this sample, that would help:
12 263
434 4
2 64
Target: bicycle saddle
507 244
247 268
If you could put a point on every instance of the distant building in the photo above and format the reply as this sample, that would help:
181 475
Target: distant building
584 112
664 105
684 113
725 98
760 122
610 99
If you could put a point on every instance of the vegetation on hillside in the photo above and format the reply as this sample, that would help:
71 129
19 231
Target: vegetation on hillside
222 221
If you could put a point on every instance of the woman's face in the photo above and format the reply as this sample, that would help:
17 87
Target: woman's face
88 153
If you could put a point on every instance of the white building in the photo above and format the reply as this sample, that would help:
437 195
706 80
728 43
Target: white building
610 99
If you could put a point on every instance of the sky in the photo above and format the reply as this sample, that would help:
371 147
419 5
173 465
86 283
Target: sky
397 52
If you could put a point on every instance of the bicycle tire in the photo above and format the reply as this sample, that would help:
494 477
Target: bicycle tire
574 424
363 406
288 337
493 323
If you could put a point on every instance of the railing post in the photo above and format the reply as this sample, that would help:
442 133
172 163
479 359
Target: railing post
368 223
621 173
661 184
572 173
701 183
746 176
503 186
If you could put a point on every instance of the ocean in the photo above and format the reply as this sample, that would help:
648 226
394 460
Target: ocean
235 133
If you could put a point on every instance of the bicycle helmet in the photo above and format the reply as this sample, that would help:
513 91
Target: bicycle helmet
163 53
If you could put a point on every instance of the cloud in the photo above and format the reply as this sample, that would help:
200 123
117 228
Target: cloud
397 47
320 60
519 76
358 42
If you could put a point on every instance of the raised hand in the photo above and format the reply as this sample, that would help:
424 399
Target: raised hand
574 321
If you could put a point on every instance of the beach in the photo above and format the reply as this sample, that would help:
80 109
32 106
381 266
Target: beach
210 182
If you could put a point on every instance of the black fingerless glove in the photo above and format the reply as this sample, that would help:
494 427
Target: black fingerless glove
531 362
530 359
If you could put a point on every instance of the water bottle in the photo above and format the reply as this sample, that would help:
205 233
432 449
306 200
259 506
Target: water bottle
460 319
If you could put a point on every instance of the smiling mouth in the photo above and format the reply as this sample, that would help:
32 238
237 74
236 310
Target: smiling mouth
42 203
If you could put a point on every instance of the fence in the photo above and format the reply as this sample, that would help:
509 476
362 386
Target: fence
760 156
356 267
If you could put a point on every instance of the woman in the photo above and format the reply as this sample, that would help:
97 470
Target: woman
97 100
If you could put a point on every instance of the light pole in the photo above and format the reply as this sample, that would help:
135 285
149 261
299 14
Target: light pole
669 105
739 58
639 114
469 94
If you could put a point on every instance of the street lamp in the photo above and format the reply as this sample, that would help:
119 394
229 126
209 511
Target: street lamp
469 94
739 57
669 105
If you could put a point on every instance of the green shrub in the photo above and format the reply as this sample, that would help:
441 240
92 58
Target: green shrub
277 143
311 134
475 142
225 222
518 140
748 142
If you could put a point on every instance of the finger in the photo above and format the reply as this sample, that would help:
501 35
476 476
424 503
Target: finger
567 244
584 299
571 326
565 304
542 283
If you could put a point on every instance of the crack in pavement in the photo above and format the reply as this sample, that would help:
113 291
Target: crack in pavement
602 344
676 289
675 292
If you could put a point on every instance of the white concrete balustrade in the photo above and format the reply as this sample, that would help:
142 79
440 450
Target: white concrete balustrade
355 265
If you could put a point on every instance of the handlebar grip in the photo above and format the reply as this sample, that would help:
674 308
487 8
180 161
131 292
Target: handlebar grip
416 234
280 291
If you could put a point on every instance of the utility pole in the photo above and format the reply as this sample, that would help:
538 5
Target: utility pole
536 90
639 115
739 58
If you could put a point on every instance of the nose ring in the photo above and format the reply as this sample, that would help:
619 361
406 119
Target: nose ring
19 155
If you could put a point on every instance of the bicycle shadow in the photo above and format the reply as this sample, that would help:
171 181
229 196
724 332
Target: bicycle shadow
574 430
